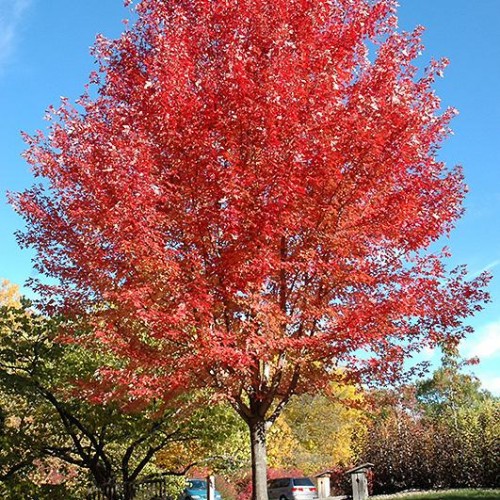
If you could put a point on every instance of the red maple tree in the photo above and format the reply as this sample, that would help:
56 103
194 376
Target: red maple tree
248 202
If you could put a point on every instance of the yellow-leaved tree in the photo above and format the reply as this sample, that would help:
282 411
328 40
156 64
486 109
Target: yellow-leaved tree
9 294
317 432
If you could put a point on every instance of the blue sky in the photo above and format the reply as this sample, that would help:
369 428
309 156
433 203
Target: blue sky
44 54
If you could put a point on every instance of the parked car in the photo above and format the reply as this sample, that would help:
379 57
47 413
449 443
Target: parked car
196 489
291 488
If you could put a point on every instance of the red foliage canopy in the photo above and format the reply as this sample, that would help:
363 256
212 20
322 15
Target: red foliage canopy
251 197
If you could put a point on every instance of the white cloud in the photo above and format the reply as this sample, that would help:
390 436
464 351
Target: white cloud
428 352
488 267
492 384
11 14
485 343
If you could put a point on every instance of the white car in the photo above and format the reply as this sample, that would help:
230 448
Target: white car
291 488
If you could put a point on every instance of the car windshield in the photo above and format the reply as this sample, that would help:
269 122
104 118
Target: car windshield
197 484
302 481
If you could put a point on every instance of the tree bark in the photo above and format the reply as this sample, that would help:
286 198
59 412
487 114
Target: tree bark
259 459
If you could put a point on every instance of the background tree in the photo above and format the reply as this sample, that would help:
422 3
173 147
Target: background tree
9 293
429 437
319 431
450 388
54 440
221 447
250 196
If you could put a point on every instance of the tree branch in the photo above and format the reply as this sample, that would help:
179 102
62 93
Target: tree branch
14 469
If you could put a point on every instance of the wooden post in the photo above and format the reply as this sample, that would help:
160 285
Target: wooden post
210 487
323 485
360 481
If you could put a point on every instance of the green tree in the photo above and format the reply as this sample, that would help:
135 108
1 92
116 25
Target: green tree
450 388
441 433
50 434
468 418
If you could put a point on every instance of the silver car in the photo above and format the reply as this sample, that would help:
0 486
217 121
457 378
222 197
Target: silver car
291 488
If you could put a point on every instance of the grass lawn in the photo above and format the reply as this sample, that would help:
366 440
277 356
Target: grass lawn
446 495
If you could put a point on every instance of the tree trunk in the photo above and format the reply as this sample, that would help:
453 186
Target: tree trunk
105 481
259 459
